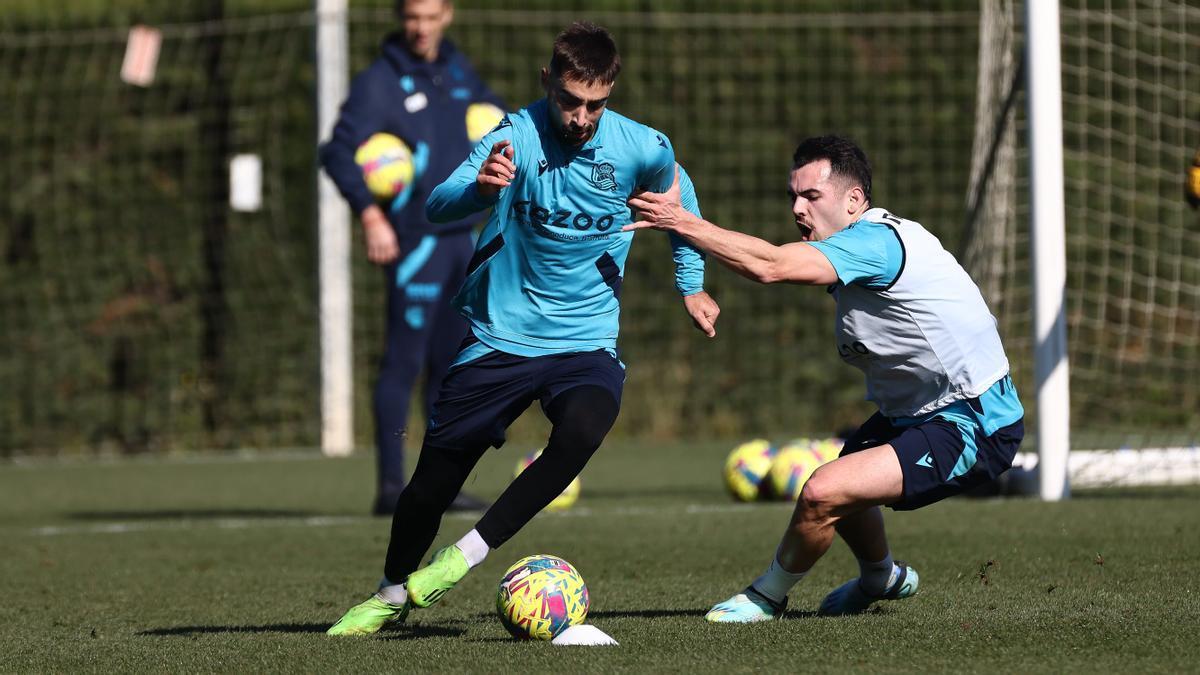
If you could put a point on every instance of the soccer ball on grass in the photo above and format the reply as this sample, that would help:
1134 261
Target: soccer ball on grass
541 596
746 467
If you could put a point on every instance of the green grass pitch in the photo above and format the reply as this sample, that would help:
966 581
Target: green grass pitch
241 564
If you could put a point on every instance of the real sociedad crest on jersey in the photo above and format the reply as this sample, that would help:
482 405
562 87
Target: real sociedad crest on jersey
604 177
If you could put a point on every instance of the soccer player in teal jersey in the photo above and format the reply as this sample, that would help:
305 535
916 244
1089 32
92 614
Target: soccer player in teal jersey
912 320
542 298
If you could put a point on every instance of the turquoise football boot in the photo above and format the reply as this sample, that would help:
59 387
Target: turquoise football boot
368 617
427 585
749 606
849 598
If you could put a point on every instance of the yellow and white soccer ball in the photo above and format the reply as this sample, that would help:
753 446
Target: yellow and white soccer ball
387 165
569 495
828 448
540 596
482 118
793 466
797 461
746 468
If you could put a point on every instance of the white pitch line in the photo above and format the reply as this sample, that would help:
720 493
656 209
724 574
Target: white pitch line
129 527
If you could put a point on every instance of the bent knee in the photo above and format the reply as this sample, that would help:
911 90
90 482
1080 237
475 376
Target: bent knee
820 495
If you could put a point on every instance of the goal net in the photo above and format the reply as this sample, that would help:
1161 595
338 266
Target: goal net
1131 106
144 305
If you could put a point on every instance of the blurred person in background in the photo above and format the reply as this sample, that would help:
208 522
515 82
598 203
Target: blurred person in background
419 90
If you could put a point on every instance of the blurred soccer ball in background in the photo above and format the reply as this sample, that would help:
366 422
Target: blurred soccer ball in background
828 448
482 118
569 495
387 165
796 462
540 596
746 468
793 465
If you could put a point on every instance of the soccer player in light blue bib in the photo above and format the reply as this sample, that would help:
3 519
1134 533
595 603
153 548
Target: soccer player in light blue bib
542 297
912 320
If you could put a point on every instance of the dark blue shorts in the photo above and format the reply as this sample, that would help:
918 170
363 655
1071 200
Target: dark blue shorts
941 457
480 398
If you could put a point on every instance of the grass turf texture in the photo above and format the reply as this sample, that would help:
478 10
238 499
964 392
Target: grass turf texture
241 564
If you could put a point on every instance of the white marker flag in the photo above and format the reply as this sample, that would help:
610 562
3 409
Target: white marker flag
141 55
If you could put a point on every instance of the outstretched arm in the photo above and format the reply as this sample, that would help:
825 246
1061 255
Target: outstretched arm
749 256
476 184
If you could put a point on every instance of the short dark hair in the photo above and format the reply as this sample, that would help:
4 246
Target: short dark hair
846 159
399 6
585 52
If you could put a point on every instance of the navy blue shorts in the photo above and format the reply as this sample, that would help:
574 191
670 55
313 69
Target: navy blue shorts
480 398
940 457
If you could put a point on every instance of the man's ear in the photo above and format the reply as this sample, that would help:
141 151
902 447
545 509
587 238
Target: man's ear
855 199
546 79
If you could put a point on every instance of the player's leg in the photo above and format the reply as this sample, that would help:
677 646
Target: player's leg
842 488
581 396
409 328
581 416
447 329
479 400
938 458
766 597
880 576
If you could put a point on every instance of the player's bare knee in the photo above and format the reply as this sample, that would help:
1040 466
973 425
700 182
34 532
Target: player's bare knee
819 497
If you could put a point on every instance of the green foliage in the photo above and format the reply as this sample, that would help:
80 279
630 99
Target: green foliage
137 313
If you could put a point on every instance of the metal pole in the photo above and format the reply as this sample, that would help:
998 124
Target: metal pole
1048 226
337 355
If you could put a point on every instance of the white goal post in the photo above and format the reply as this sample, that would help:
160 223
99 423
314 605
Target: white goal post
1048 238
336 307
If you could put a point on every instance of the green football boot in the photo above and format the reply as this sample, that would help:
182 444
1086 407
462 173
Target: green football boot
368 617
427 585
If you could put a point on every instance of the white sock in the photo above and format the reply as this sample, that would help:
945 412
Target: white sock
392 593
473 547
877 577
776 581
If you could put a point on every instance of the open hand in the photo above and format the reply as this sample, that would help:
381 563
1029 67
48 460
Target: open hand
658 210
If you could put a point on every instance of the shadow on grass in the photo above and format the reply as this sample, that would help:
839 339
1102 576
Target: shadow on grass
1190 493
667 613
269 628
404 632
192 514
645 613
615 493
400 632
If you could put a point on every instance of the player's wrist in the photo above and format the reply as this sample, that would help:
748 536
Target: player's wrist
372 217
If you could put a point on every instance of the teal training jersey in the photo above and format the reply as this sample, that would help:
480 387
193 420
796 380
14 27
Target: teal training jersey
546 275
864 253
